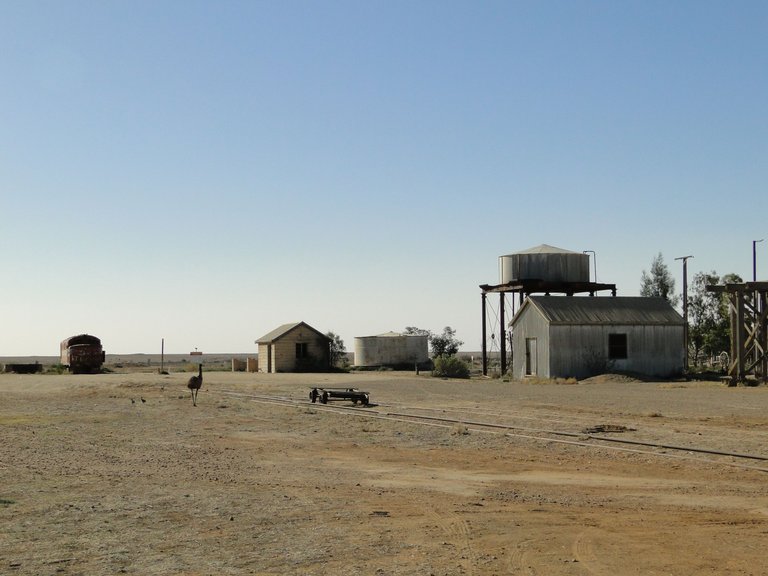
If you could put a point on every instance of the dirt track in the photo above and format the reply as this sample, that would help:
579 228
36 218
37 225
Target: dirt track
93 483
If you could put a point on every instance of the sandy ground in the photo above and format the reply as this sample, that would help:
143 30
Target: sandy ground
93 480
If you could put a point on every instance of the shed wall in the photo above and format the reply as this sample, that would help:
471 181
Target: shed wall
530 324
264 358
582 351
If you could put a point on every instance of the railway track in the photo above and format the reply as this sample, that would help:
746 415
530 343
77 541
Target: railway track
586 440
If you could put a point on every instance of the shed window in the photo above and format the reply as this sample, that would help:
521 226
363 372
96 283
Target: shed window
301 350
617 346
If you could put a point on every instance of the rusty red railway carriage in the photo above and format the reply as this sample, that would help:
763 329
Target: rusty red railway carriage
82 354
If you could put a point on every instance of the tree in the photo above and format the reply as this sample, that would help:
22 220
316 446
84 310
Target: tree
445 344
704 316
413 331
709 331
732 279
338 351
659 282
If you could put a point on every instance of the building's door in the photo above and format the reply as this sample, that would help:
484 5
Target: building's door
530 357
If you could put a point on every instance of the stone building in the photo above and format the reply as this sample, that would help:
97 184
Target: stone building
295 347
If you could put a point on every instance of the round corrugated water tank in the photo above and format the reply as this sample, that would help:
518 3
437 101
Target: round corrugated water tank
391 349
546 263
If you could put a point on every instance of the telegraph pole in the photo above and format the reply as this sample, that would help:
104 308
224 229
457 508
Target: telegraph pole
685 306
754 259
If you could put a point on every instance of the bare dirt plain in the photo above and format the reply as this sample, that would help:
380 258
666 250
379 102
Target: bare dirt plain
92 483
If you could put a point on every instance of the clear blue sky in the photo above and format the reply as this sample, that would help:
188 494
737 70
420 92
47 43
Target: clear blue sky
203 171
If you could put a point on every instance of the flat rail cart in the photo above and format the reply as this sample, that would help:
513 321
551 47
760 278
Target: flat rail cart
325 395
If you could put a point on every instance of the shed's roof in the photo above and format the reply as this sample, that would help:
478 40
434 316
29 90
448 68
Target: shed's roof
627 310
281 331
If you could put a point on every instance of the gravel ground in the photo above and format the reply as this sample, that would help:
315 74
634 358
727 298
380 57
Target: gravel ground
120 474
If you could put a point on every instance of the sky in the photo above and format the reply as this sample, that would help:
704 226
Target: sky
205 171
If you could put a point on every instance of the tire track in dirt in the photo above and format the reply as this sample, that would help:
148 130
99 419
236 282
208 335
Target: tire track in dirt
584 552
459 533
519 562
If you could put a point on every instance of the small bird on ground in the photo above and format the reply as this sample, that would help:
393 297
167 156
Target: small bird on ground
142 400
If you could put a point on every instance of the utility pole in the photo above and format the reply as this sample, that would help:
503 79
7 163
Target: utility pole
754 259
594 259
685 306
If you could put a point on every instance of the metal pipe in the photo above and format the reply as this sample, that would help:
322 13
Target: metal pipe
502 335
446 422
583 435
685 307
485 336
594 260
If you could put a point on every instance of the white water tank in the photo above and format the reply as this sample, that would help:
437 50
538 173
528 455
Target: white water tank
391 349
546 263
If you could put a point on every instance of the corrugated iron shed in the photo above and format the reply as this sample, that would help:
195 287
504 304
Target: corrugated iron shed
617 310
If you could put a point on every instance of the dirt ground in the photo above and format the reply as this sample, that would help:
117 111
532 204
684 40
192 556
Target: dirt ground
120 474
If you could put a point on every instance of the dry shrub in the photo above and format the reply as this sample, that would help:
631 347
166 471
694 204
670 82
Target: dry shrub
450 367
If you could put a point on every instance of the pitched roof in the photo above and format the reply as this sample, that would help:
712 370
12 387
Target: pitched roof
626 310
281 331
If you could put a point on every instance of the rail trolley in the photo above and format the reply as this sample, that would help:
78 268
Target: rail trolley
325 395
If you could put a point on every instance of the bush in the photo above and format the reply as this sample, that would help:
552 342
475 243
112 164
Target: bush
450 367
56 369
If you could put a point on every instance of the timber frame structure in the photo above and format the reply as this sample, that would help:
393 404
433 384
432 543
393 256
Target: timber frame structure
748 310
524 288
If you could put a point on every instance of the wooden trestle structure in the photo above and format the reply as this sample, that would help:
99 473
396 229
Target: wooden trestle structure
524 288
748 310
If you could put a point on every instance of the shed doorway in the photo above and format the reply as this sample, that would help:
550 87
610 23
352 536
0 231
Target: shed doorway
530 357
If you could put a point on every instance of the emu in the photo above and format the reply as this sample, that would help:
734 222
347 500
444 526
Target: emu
195 383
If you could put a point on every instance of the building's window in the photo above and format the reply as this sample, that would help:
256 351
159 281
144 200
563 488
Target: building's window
617 346
301 350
